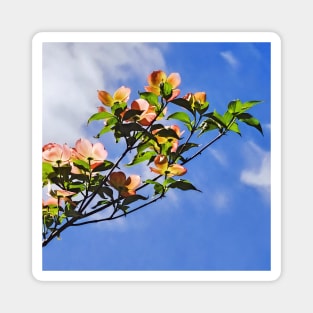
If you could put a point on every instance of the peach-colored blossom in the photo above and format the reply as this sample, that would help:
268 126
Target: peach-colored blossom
148 115
120 95
94 154
174 141
156 78
125 186
199 97
163 168
55 154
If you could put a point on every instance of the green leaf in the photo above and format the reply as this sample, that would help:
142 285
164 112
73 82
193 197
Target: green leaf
208 125
76 187
215 120
251 121
126 129
166 90
81 164
183 103
129 114
118 108
201 107
234 127
141 157
234 106
47 170
167 132
102 203
183 185
72 213
183 117
185 147
150 97
100 116
106 165
249 104
228 119
107 190
158 188
133 198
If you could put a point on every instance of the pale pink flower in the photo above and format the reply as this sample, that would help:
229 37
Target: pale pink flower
93 154
55 154
148 115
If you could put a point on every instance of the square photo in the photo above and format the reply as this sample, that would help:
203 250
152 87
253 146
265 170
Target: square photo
156 156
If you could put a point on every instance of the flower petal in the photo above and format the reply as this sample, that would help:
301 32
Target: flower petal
174 79
117 179
156 78
121 94
98 152
105 98
132 182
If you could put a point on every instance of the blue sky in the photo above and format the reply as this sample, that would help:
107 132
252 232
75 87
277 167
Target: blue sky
228 225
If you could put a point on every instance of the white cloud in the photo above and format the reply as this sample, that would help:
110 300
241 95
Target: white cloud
220 201
72 74
219 156
230 59
258 173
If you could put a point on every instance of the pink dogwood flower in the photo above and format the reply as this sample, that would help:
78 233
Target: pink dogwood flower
125 186
56 154
148 115
93 154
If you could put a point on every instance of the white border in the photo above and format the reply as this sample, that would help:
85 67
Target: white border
275 41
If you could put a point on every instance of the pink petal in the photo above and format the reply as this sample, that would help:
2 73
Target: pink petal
156 77
99 152
105 98
132 182
84 147
177 170
174 79
140 104
122 94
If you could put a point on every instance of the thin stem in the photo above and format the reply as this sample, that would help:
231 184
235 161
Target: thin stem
120 215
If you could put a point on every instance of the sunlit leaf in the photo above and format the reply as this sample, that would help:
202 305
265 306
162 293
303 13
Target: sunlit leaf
150 97
106 165
100 116
183 117
141 157
183 185
251 121
129 114
183 103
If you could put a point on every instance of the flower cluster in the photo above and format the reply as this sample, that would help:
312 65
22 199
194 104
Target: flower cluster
81 181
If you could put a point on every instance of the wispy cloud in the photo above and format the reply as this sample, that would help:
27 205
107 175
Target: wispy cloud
72 74
230 59
258 173
219 156
220 201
